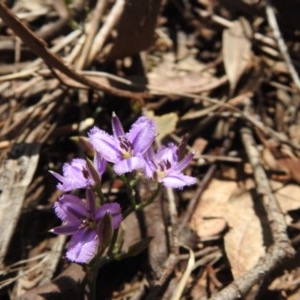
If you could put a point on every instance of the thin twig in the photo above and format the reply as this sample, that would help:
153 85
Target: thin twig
173 215
111 22
281 44
91 30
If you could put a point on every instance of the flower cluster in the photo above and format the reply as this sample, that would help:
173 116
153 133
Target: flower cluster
127 151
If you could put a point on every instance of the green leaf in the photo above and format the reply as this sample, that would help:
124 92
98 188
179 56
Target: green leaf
136 248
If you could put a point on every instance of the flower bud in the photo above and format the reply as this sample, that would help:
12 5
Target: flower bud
105 230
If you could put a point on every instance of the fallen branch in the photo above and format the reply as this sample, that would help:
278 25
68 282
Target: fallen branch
281 248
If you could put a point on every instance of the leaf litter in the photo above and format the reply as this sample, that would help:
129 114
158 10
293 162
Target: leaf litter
207 69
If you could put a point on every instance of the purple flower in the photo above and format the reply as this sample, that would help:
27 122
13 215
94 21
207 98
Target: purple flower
124 150
77 174
81 219
166 168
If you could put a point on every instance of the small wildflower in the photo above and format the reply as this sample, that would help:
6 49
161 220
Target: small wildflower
77 174
166 167
81 220
124 150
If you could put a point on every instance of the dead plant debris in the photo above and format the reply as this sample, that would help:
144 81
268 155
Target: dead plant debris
223 72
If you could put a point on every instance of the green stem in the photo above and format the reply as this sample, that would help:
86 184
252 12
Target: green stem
99 193
113 242
130 190
98 262
149 200
143 204
92 273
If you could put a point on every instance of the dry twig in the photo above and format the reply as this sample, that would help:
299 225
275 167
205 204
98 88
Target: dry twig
106 29
91 30
281 248
281 44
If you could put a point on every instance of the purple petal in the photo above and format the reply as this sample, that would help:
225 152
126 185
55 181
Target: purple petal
68 185
74 168
149 167
73 177
105 144
178 181
74 174
183 163
142 134
115 211
57 176
117 126
90 202
65 229
167 154
65 185
100 163
129 164
83 246
70 208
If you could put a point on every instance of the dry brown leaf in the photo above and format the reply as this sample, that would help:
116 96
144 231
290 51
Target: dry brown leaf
244 241
208 219
294 133
286 195
184 76
181 83
280 161
291 166
236 50
295 295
